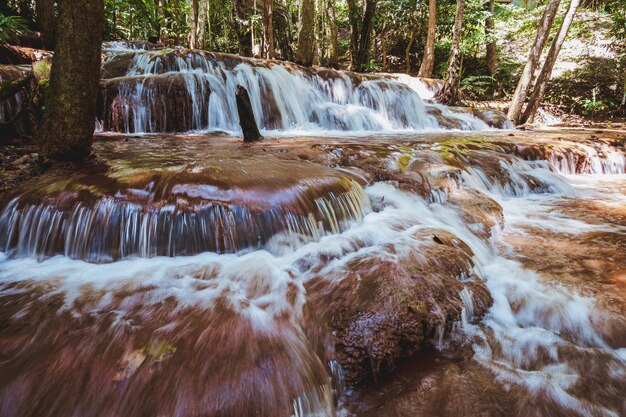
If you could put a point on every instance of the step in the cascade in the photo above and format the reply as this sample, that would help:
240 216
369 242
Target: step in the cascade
167 205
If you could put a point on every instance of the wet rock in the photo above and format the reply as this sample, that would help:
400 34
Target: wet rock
159 356
493 118
380 313
116 65
443 121
17 55
125 101
480 212
439 386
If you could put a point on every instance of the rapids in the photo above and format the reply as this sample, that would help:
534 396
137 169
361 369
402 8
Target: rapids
439 274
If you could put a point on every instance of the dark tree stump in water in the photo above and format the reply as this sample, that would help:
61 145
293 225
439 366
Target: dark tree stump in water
246 116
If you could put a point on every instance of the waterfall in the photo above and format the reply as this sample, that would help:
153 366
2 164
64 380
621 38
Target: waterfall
419 250
180 90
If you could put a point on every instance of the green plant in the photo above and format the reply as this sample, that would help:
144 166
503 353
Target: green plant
476 87
592 106
11 26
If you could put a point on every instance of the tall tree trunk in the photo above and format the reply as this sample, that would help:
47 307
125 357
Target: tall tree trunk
203 14
515 110
546 71
332 30
450 93
407 53
241 11
193 24
69 119
492 49
268 15
306 36
428 62
354 20
365 38
383 46
198 14
45 19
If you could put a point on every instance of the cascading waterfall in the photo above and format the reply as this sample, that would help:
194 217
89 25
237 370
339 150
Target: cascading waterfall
112 230
197 89
228 316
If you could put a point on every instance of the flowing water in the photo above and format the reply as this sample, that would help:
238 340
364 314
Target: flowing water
407 274
180 90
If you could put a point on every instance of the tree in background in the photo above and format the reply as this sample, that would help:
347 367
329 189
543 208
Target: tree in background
268 29
491 53
332 33
428 61
546 71
68 122
517 102
198 16
45 17
450 93
361 18
306 34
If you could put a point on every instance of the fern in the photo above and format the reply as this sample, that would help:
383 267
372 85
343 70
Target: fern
11 26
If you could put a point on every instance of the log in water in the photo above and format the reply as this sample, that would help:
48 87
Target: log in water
246 116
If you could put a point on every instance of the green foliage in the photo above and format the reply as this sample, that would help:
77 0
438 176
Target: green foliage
11 26
142 19
592 106
476 87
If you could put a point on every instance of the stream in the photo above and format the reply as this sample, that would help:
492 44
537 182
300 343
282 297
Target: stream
388 265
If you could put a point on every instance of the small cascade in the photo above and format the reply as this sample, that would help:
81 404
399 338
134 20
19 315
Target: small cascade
467 313
112 228
587 159
175 204
11 105
181 90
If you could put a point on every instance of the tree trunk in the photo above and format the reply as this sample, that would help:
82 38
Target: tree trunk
450 93
193 24
428 62
333 45
354 19
407 53
383 46
306 36
246 116
45 19
69 119
198 15
241 11
523 85
492 49
268 13
546 71
365 38
203 10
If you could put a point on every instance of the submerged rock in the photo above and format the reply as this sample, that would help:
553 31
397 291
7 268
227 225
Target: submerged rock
383 307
